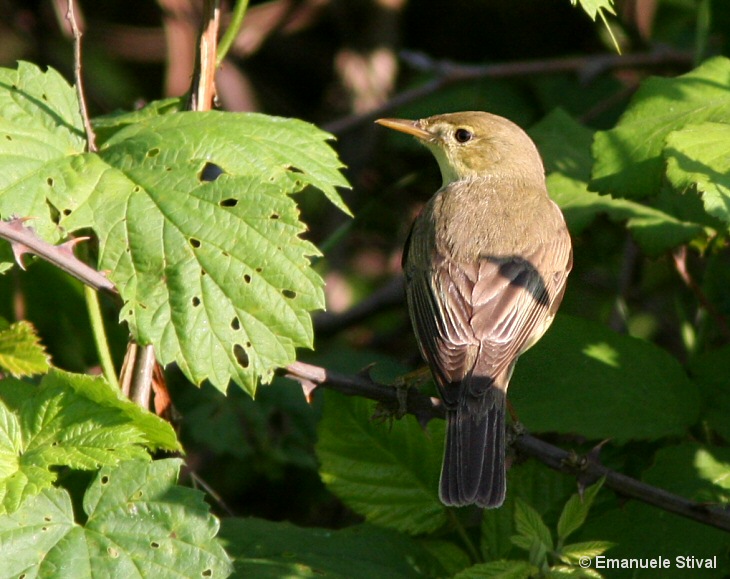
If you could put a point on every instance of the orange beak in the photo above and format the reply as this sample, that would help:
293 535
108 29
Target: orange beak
405 126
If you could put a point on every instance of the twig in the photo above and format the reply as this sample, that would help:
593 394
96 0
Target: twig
448 73
90 136
390 295
424 407
680 263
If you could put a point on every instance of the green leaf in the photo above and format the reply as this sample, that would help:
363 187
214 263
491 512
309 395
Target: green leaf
697 158
67 421
576 510
386 472
213 273
21 352
264 549
528 523
107 125
583 378
709 371
543 489
574 552
629 160
158 434
138 524
40 128
499 570
565 146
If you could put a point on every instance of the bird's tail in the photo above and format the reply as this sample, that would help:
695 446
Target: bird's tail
473 470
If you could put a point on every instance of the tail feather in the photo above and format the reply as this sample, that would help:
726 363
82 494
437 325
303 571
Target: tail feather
473 469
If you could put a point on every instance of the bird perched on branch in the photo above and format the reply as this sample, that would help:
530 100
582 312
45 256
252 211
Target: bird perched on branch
485 265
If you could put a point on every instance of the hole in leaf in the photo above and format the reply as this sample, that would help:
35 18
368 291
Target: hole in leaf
294 169
44 529
225 254
22 576
153 152
50 181
168 169
274 216
207 573
196 301
248 344
54 443
241 356
44 97
105 479
113 553
203 272
155 545
136 189
230 202
138 495
247 278
259 269
47 518
290 294
235 324
194 242
67 212
8 137
210 172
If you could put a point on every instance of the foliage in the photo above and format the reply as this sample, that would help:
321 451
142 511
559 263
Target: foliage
195 217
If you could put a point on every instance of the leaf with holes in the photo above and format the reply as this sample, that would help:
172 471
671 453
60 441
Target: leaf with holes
200 236
138 523
41 148
72 421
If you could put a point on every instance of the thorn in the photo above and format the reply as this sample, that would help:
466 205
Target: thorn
67 247
366 372
19 250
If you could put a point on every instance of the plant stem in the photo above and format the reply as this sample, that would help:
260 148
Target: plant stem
100 340
239 11
704 22
468 543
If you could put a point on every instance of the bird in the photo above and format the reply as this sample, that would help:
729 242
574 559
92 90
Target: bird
485 266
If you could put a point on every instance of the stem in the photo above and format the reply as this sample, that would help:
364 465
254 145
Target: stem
461 531
704 22
239 11
100 339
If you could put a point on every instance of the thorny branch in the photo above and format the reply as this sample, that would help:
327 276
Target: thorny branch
587 469
423 407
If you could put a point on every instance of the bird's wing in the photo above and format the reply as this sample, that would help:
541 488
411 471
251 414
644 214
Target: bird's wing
476 319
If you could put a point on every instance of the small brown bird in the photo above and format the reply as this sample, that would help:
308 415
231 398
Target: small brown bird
485 266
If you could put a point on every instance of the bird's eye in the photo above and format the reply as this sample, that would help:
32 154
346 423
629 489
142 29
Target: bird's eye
463 135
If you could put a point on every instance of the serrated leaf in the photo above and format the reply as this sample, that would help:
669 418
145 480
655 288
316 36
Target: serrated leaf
387 473
267 549
499 570
576 510
40 127
565 146
529 524
21 352
158 434
139 524
628 158
213 273
575 551
54 425
629 388
697 157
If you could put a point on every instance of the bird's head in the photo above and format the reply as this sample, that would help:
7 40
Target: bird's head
470 145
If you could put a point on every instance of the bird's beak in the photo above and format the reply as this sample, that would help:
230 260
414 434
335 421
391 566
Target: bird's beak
406 126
